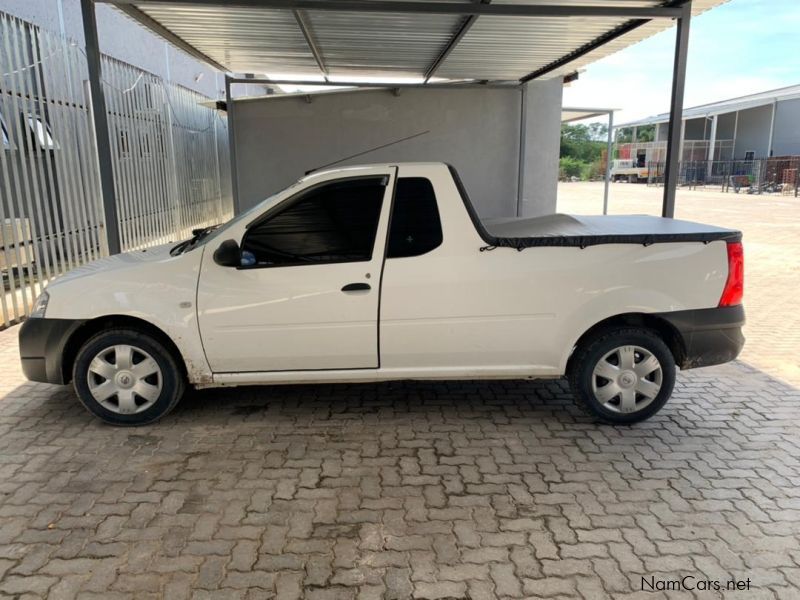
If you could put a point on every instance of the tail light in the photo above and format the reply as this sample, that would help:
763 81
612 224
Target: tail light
734 286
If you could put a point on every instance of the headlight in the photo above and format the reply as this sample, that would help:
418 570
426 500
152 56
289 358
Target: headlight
40 306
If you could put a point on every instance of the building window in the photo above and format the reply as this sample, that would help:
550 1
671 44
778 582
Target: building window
749 155
4 131
331 223
123 144
415 227
149 95
144 145
40 133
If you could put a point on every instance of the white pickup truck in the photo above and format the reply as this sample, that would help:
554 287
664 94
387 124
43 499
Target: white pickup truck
385 272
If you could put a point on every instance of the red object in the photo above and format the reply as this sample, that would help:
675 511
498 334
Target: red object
734 286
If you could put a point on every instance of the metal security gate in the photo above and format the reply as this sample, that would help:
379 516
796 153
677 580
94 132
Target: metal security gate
170 159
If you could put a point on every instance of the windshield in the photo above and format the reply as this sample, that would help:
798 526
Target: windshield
218 230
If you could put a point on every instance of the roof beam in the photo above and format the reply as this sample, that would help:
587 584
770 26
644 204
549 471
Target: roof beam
465 27
462 31
441 8
470 84
305 28
165 33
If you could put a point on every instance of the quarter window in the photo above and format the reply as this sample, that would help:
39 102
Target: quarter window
334 222
415 227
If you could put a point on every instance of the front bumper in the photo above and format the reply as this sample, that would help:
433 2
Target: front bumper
711 336
41 348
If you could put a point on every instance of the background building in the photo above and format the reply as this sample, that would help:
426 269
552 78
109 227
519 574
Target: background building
751 141
749 127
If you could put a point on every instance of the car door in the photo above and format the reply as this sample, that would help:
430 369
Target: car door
307 292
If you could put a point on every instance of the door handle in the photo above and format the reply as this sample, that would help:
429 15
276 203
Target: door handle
356 287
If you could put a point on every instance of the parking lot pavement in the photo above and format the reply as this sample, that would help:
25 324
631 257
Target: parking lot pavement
418 490
406 490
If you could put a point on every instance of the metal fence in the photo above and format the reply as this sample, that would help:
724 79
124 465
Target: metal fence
778 175
691 150
170 159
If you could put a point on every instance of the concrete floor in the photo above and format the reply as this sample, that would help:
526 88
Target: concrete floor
426 490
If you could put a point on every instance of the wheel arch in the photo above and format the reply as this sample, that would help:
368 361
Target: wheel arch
665 330
94 326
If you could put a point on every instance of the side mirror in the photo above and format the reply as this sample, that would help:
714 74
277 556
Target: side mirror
228 254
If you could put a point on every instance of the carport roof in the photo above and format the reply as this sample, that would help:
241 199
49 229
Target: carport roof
480 40
570 114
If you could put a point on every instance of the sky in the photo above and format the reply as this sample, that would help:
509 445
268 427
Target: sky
738 48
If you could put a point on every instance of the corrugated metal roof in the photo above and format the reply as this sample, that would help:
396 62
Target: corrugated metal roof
270 41
726 106
242 39
512 47
356 44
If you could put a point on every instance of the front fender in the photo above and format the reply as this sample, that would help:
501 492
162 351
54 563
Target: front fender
162 293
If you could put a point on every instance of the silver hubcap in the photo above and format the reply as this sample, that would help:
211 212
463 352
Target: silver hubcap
124 379
627 379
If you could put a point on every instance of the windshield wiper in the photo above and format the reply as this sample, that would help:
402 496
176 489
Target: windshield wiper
197 235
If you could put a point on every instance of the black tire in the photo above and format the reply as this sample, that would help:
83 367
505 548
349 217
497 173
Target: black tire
172 380
592 350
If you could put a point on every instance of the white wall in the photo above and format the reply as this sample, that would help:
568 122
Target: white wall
542 143
787 129
752 133
477 130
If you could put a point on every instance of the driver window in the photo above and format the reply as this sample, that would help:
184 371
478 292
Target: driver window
331 223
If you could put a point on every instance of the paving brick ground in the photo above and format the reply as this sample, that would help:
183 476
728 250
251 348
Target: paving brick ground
403 490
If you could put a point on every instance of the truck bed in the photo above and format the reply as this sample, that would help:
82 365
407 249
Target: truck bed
582 231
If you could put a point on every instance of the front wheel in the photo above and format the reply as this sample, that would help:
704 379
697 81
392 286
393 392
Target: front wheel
127 377
623 375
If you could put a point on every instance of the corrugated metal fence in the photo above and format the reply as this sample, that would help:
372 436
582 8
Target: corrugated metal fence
170 157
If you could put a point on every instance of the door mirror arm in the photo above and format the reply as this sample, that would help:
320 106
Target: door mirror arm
228 254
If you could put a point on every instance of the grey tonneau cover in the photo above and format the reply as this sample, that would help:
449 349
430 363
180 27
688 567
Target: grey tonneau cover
582 231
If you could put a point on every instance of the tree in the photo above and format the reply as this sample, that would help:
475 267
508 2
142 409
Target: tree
644 133
581 149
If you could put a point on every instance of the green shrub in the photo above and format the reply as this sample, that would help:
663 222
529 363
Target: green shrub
571 167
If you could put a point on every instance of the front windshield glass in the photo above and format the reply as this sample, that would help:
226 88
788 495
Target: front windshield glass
247 215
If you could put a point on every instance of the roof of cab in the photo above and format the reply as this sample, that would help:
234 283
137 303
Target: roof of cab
389 165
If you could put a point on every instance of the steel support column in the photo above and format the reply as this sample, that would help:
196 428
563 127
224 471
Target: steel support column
772 128
674 131
712 138
101 131
232 146
609 148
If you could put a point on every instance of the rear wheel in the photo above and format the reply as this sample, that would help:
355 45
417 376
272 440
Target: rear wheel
623 375
127 377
